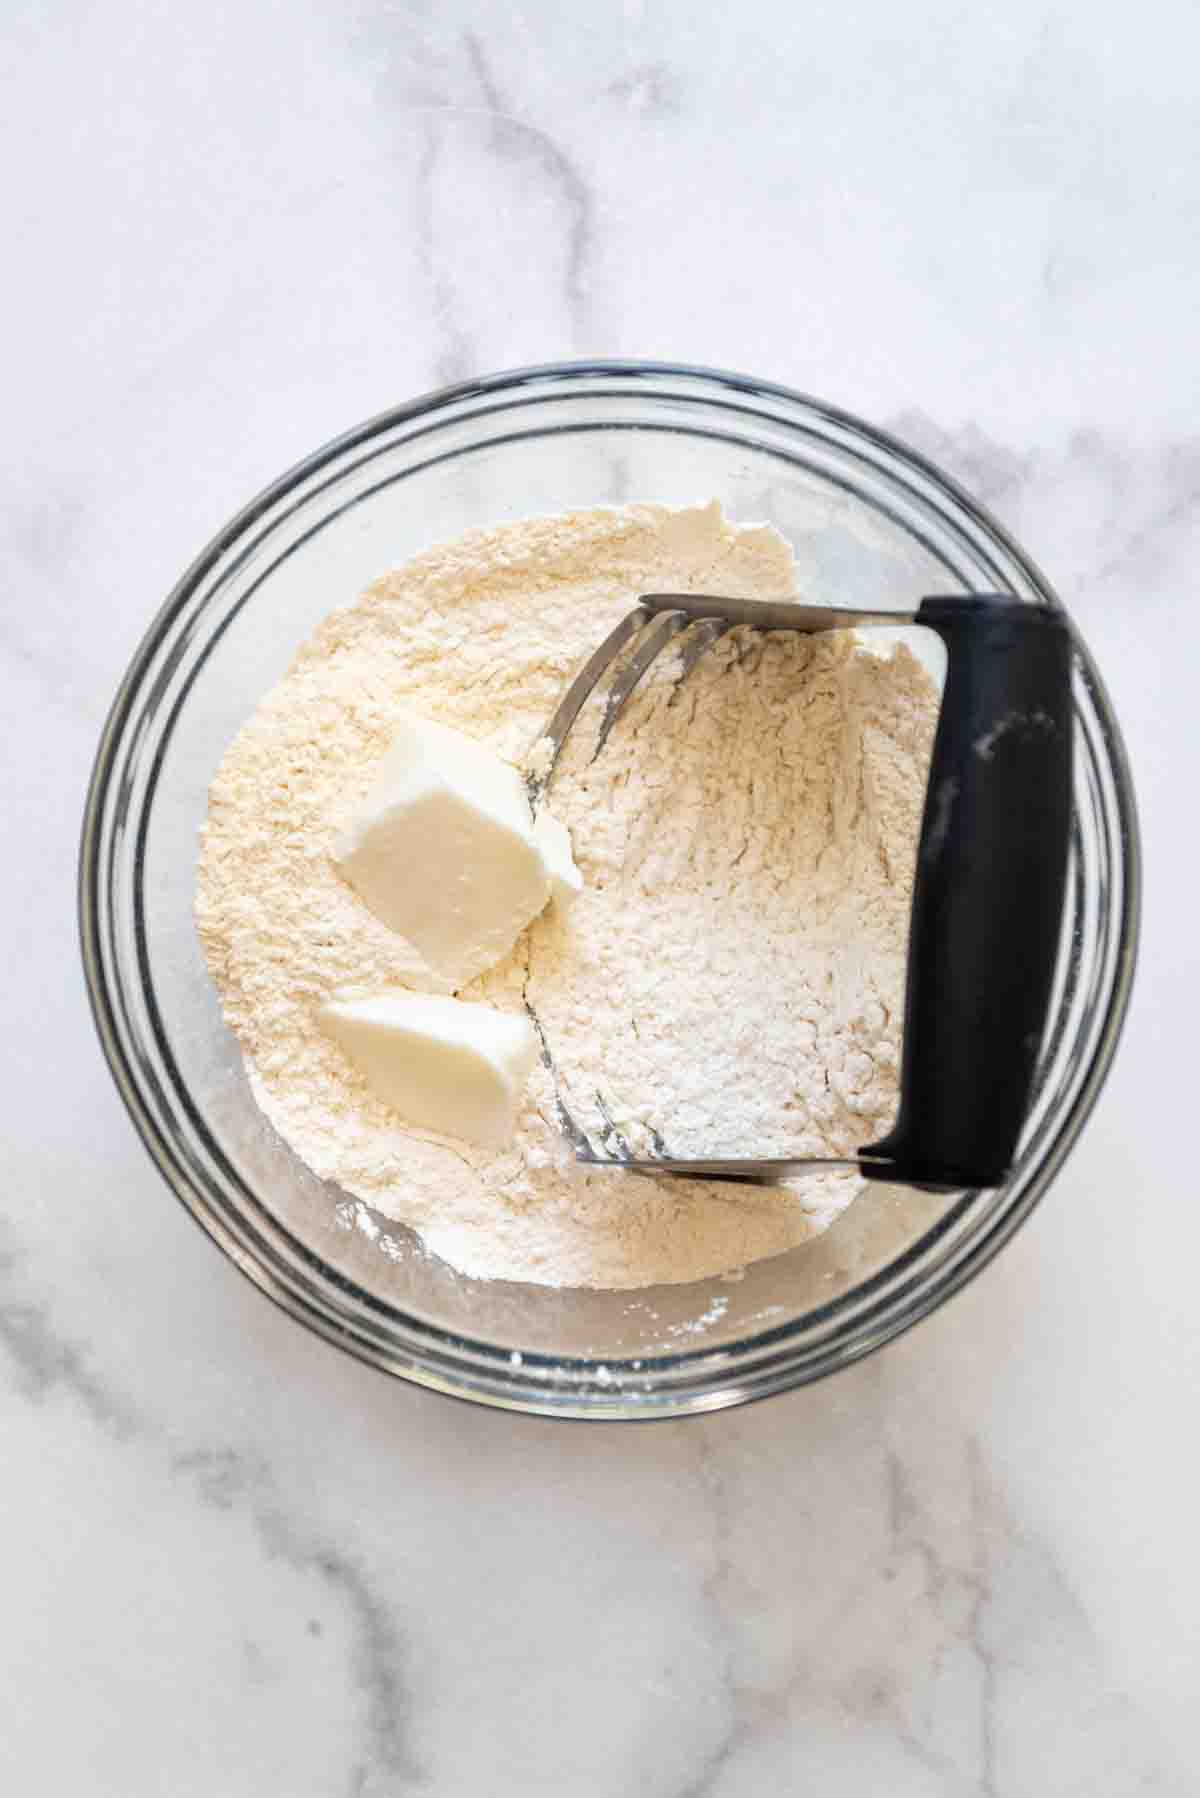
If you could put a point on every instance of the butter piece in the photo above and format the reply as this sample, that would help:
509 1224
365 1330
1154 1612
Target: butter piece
554 842
443 850
443 1064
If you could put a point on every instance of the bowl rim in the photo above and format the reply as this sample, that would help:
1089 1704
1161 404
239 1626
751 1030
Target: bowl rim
870 1333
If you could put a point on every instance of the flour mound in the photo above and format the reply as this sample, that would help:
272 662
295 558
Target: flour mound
731 979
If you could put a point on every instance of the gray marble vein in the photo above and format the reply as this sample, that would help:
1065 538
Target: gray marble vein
651 89
454 360
990 471
517 142
230 1479
42 1361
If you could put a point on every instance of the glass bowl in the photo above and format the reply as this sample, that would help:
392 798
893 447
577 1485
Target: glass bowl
873 525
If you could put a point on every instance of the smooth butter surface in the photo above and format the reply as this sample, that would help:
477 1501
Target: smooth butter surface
443 1064
443 850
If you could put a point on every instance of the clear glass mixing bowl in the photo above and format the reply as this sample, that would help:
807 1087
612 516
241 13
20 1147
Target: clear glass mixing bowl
873 525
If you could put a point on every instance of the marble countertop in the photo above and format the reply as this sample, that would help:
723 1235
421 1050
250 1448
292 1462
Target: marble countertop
235 1562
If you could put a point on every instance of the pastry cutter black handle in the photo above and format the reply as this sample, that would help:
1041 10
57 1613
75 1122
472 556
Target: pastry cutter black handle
988 893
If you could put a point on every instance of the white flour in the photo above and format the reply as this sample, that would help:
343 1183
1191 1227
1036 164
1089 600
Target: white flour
732 976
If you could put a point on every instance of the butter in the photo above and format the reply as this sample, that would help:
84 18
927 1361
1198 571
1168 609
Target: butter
443 1064
554 843
444 850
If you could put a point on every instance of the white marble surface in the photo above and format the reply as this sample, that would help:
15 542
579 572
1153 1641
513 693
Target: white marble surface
234 1562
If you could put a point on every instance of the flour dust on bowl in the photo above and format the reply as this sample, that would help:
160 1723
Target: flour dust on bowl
872 527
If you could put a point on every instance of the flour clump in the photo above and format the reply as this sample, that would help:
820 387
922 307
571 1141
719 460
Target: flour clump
730 978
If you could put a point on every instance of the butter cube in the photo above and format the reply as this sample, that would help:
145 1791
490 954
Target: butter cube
443 850
554 843
443 1064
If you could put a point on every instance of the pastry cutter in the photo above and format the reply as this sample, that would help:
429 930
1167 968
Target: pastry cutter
989 882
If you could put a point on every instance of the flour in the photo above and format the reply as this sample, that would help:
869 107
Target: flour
730 980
